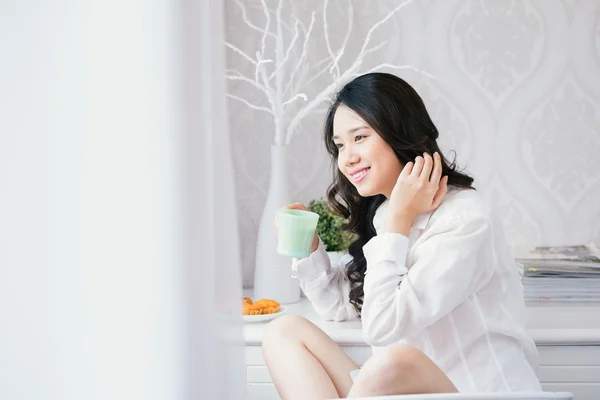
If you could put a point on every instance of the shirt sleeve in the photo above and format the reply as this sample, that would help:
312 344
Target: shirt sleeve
325 286
451 263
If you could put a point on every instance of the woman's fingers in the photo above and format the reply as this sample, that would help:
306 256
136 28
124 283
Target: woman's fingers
427 167
418 167
436 175
296 206
407 169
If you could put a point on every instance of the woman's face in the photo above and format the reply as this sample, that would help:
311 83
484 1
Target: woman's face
365 159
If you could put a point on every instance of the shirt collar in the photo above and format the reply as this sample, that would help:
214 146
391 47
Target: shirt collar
421 221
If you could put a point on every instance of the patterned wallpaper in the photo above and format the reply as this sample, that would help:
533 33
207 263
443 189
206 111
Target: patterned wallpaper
517 96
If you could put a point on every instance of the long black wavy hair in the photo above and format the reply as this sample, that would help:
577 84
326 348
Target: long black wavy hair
397 113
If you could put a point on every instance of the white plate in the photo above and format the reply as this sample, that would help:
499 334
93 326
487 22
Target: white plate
264 317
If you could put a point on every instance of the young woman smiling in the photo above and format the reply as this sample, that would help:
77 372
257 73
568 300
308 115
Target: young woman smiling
431 275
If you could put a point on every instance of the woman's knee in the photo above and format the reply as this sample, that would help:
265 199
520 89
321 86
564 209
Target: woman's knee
286 327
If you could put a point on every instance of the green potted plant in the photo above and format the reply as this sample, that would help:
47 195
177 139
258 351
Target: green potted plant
329 229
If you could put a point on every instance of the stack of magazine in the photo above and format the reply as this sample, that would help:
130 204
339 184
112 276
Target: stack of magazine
570 273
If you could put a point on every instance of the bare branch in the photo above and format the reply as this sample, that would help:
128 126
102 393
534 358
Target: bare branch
319 64
374 28
298 96
307 109
287 53
278 13
240 52
278 54
253 106
270 97
299 22
334 67
321 72
258 68
345 42
333 62
283 23
303 54
302 83
286 26
247 20
373 49
267 26
239 77
294 70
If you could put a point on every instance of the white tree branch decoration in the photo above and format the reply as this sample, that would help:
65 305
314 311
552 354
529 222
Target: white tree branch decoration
284 78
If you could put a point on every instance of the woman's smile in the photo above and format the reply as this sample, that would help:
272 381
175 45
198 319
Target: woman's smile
360 175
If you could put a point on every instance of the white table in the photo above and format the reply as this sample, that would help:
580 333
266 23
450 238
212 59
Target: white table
567 337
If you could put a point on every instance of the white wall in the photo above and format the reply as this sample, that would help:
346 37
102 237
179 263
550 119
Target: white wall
518 99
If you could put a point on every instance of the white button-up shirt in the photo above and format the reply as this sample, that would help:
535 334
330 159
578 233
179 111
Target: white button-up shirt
451 289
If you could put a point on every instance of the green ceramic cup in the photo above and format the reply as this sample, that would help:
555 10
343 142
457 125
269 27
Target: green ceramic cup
296 231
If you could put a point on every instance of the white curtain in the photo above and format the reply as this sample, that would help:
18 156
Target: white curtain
119 267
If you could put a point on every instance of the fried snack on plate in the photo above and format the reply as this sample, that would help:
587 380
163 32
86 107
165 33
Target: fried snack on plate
267 306
247 300
250 309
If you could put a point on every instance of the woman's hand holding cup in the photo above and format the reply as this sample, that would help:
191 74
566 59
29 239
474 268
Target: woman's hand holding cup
298 206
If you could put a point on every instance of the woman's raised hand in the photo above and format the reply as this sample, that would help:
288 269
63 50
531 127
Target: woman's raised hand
419 189
298 206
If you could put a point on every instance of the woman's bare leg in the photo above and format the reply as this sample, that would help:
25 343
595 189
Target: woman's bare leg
400 369
304 362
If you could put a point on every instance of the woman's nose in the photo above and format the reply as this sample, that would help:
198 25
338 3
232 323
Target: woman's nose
351 157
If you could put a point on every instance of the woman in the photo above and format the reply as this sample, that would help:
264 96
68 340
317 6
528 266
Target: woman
431 275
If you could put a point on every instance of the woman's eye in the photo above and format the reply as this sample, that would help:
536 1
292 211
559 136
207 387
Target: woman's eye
338 145
358 137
